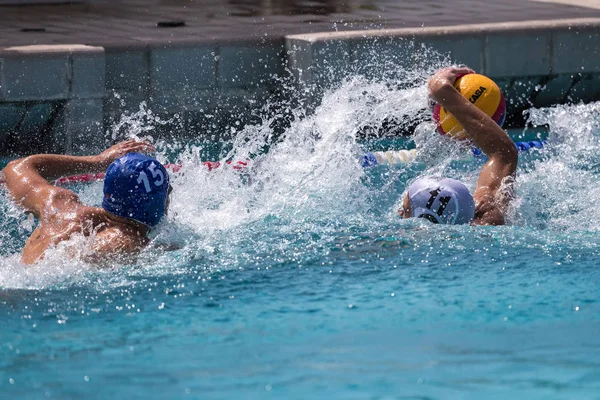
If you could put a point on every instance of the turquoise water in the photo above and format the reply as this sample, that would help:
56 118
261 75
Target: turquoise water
296 279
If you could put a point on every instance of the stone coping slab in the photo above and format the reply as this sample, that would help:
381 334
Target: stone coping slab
500 50
517 26
52 48
51 72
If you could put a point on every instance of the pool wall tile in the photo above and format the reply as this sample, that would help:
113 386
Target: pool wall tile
51 72
127 82
575 51
553 90
181 69
318 66
88 136
252 64
34 77
186 99
521 53
182 78
299 60
520 91
460 49
237 105
36 118
128 70
78 128
586 87
121 104
322 63
330 63
10 116
88 72
368 54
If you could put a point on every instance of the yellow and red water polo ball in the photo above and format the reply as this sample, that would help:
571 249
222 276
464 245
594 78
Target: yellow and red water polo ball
479 90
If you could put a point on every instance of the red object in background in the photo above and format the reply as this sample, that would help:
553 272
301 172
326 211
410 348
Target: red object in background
238 165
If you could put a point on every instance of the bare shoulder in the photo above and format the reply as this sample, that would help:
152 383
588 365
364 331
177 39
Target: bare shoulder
113 243
492 203
58 200
488 212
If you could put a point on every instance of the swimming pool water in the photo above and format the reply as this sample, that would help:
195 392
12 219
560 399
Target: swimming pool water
295 279
384 319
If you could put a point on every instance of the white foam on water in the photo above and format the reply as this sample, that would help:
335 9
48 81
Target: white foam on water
62 266
560 190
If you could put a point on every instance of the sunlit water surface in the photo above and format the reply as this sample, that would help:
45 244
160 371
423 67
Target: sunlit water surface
295 278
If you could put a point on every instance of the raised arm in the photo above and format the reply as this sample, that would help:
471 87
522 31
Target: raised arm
27 179
487 136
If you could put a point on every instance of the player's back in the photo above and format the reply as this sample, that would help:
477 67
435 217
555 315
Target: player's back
111 237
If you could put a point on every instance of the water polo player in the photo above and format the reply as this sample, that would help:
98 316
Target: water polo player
136 189
449 201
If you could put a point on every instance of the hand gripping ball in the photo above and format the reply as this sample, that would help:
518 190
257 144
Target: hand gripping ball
479 90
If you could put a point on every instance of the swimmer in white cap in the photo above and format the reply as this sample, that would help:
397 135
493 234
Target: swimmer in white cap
448 201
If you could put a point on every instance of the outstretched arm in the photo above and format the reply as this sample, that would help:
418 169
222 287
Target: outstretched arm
27 179
486 135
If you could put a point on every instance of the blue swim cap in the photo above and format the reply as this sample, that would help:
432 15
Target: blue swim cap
443 201
136 187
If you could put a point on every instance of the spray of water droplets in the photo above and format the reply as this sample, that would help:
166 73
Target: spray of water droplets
305 196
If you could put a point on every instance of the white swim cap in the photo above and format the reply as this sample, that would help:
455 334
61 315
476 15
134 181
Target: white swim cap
442 201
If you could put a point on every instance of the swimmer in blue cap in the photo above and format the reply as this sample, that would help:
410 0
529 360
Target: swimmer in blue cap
448 201
136 191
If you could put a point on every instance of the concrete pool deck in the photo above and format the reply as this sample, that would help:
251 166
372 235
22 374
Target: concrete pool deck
68 72
134 22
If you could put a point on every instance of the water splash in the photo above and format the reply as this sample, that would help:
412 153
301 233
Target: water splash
304 195
558 190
